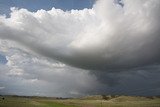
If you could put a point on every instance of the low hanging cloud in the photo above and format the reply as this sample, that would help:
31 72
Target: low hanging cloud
26 74
108 36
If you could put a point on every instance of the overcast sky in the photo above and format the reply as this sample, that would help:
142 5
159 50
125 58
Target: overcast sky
79 47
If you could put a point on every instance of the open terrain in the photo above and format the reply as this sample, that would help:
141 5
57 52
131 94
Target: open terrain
89 101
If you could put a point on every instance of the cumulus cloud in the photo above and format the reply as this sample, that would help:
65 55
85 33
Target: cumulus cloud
104 37
94 45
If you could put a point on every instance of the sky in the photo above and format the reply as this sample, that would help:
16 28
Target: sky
73 48
34 5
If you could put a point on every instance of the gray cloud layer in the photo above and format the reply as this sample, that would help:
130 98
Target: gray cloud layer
116 46
26 74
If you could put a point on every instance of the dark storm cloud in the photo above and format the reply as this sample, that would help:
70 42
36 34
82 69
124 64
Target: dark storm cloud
118 46
138 81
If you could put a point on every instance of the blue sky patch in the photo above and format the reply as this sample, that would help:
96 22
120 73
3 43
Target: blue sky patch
3 59
34 5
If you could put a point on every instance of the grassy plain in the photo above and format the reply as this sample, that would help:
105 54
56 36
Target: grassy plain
91 101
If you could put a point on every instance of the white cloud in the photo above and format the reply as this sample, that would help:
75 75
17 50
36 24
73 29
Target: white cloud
41 45
106 36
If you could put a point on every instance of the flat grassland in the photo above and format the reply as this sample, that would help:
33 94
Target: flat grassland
90 101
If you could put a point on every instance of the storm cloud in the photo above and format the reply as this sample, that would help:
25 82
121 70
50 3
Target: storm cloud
97 43
104 37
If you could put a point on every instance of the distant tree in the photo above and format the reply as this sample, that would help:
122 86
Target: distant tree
105 97
113 96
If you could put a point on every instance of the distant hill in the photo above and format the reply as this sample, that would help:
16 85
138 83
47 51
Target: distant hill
115 98
119 98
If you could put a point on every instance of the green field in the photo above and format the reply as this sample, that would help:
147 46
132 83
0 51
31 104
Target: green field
91 101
